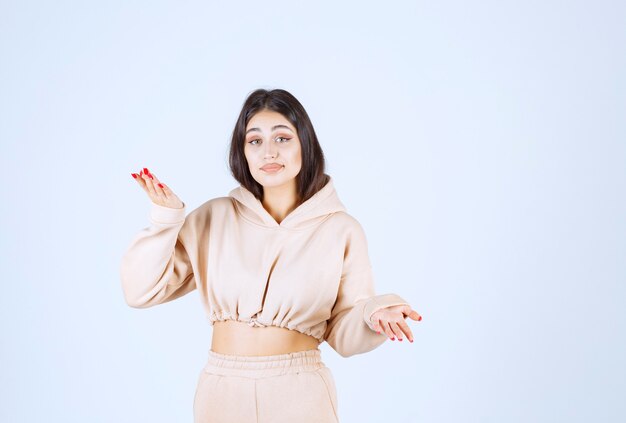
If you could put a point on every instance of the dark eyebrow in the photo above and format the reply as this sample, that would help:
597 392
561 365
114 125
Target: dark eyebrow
273 128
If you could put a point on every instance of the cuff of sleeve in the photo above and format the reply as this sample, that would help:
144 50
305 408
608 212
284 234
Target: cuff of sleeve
167 215
379 302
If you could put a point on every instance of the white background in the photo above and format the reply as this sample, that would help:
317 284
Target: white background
480 144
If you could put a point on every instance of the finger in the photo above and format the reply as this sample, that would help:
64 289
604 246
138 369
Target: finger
158 187
157 184
414 315
148 179
142 182
396 330
376 324
405 328
387 329
166 190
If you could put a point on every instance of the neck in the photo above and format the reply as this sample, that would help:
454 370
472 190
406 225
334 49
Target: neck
280 200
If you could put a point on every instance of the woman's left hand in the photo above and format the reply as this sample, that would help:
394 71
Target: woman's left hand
391 320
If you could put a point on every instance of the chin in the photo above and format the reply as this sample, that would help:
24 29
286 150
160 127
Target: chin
268 180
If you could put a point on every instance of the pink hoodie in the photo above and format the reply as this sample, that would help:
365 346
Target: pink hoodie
311 273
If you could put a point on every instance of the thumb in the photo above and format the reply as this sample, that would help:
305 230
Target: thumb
414 315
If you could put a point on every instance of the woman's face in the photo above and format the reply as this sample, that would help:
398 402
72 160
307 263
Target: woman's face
272 139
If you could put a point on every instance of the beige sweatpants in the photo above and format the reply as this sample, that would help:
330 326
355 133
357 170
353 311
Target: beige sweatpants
283 388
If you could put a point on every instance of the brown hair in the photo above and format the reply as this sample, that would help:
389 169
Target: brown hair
312 176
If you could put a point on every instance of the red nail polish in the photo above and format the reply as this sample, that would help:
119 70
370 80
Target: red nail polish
410 340
393 339
160 185
134 176
419 318
400 339
145 170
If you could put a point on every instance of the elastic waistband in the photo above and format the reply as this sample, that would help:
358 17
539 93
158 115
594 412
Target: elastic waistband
264 365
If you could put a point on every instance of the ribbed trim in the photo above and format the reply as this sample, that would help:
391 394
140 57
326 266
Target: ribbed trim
167 215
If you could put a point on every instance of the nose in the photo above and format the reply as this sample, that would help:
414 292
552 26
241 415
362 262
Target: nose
270 150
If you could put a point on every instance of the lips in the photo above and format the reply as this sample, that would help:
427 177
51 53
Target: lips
271 167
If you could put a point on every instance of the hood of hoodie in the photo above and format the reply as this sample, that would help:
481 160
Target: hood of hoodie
310 213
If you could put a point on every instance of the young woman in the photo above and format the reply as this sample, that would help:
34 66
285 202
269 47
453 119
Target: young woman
280 267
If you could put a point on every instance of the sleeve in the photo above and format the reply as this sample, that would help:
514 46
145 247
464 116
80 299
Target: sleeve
349 330
155 267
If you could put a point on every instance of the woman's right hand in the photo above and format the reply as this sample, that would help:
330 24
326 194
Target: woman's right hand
158 192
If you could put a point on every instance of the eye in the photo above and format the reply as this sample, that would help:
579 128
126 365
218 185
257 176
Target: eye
255 141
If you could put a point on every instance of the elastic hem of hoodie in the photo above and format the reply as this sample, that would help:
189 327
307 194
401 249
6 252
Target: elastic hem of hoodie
217 316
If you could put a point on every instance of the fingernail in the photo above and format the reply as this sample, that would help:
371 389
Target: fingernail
419 318
134 175
410 340
393 339
400 339
145 170
159 184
